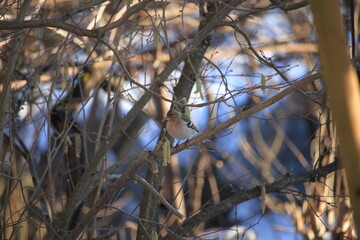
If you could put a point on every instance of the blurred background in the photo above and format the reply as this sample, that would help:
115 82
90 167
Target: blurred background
64 93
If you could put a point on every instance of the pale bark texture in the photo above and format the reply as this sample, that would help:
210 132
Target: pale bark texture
343 88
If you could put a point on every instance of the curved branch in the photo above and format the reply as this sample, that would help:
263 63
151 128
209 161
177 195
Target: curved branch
240 197
258 107
55 23
343 88
283 5
82 8
149 187
60 24
115 186
85 184
129 174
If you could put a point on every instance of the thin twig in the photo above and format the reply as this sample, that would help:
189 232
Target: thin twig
258 107
59 23
128 175
150 188
140 220
243 196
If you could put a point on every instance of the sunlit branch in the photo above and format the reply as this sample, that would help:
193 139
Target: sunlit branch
243 196
150 188
60 24
247 113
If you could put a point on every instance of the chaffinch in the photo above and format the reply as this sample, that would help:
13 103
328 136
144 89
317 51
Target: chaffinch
179 125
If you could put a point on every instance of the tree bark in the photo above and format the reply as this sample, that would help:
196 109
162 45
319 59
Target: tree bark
343 89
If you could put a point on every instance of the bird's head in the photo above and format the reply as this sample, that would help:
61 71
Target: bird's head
172 115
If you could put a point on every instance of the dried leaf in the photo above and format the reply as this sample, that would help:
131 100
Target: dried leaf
313 148
263 83
77 145
66 69
154 236
198 89
263 194
166 152
156 38
187 111
85 78
66 145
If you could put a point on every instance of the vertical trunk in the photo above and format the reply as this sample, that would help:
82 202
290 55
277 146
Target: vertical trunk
343 88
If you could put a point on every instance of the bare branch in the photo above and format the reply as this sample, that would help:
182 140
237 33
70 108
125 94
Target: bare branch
59 22
240 197
212 132
115 186
151 189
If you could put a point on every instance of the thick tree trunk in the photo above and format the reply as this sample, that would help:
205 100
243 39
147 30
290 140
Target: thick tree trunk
343 89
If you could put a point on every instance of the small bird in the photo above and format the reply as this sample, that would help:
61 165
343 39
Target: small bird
179 125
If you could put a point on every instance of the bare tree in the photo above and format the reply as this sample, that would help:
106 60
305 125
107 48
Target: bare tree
84 153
